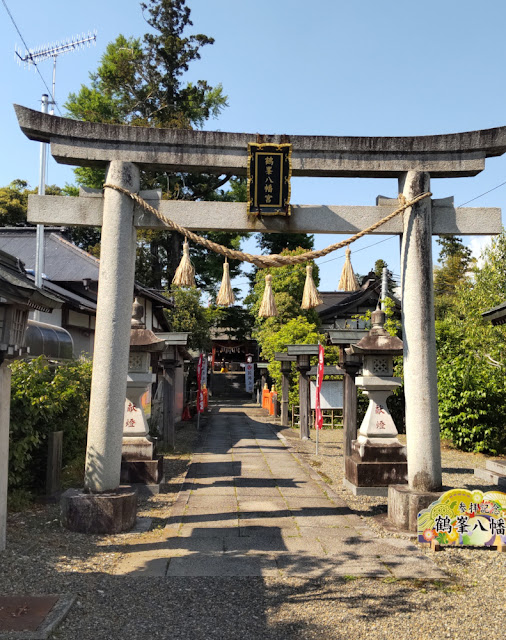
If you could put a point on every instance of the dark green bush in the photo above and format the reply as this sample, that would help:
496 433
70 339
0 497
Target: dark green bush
472 397
45 398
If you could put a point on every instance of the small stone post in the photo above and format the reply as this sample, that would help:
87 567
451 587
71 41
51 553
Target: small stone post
112 332
5 408
169 426
420 374
304 414
351 365
286 367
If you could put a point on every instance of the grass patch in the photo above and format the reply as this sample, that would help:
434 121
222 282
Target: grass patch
325 477
19 500
73 473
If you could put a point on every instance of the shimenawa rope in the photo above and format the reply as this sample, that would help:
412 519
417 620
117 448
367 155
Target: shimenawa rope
274 260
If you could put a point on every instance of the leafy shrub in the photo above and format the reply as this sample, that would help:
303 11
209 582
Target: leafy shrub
472 397
471 357
295 331
46 398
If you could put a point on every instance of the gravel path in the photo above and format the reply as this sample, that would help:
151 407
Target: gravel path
43 558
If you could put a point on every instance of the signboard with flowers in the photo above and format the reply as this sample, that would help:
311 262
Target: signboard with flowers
465 518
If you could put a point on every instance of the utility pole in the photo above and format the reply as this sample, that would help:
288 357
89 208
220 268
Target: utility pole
39 248
33 57
384 288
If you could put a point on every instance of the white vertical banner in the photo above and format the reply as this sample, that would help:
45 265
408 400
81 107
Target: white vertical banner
200 397
204 370
249 376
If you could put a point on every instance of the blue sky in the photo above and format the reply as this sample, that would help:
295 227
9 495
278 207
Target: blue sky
324 67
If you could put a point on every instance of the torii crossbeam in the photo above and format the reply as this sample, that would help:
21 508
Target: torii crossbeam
124 151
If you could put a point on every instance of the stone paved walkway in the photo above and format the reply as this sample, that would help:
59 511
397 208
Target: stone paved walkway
250 508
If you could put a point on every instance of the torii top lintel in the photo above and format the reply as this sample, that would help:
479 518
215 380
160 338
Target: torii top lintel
93 144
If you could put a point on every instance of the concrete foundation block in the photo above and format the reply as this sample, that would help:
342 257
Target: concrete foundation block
404 505
491 477
499 466
365 491
111 512
142 471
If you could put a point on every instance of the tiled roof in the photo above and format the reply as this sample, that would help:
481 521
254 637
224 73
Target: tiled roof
17 286
64 262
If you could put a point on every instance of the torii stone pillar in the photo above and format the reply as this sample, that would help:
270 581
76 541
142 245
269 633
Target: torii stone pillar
419 334
112 332
420 372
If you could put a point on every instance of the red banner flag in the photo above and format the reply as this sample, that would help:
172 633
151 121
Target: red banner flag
200 395
319 380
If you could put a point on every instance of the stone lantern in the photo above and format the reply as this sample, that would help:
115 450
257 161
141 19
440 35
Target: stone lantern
286 369
303 353
140 465
378 459
264 372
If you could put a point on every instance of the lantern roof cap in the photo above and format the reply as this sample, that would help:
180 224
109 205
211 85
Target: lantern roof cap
378 340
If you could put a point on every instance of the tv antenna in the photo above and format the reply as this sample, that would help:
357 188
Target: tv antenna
32 57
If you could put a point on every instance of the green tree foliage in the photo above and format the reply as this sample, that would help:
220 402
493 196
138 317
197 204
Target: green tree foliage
288 288
472 358
292 325
379 265
187 314
235 321
455 261
278 242
298 330
140 83
14 202
46 398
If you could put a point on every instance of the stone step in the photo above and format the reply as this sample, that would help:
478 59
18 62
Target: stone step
499 466
492 477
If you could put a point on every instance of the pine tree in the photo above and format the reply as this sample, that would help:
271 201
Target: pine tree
455 261
278 242
140 83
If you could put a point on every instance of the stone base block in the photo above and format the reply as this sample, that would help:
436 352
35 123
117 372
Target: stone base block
145 490
405 504
375 474
379 452
140 448
111 512
365 491
142 471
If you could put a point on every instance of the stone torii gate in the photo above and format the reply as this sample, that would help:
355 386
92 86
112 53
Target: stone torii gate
123 151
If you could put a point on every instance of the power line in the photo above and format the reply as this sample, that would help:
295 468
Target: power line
357 250
26 47
331 259
340 256
482 194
